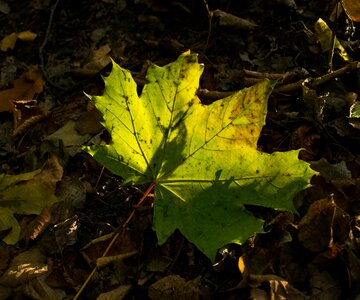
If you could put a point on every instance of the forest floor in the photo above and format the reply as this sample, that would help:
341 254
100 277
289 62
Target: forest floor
54 51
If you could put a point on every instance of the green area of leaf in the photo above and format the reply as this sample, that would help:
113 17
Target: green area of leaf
203 159
26 194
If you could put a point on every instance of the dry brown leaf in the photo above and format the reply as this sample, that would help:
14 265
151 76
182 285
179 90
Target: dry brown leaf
352 9
26 113
231 21
97 60
41 222
279 288
323 225
25 87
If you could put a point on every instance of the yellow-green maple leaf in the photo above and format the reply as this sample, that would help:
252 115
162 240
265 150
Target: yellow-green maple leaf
203 159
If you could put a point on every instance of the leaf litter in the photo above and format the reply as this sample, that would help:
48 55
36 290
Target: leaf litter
276 261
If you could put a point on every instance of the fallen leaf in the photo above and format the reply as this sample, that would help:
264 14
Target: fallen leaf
89 122
323 225
202 159
27 193
279 288
324 37
116 294
4 7
27 36
26 113
97 60
26 87
38 288
69 135
9 41
323 285
331 171
352 9
174 287
24 267
264 251
233 22
39 224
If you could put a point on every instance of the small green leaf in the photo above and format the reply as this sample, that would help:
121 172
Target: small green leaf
203 158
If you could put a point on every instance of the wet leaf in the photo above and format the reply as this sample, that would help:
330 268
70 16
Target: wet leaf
203 159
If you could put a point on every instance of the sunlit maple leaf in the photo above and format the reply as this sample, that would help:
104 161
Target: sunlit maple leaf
203 159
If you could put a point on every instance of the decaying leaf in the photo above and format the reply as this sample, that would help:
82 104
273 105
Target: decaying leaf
27 193
202 159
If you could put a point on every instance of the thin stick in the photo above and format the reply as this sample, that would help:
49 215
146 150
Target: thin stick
113 240
331 54
209 24
42 46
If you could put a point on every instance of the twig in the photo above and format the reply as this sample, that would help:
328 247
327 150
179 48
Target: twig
322 79
42 46
209 25
215 95
333 38
289 87
115 237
